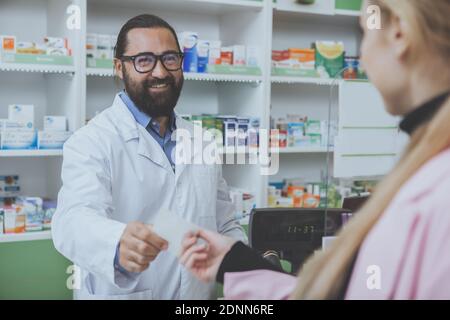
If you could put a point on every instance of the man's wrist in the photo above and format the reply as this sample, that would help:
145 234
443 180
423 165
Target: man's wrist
117 265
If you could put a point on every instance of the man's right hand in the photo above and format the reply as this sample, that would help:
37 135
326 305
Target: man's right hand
139 246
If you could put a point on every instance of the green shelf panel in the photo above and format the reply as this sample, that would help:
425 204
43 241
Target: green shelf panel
354 5
295 72
40 59
234 70
33 270
99 63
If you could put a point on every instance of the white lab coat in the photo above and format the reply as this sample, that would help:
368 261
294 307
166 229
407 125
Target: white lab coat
113 173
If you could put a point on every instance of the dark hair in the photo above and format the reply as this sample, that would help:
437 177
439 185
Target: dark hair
141 21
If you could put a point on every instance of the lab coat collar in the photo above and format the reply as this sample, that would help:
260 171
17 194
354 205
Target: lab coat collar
129 129
124 120
128 126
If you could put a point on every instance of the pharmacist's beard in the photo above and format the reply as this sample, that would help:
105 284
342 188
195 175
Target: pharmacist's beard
154 104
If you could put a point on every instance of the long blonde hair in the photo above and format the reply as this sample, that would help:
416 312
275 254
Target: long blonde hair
327 274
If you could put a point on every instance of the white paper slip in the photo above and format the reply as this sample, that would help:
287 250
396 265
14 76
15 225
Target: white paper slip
173 229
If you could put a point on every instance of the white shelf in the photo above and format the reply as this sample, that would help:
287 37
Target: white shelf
30 153
302 80
23 67
27 236
189 76
99 72
305 150
338 17
317 81
222 78
216 7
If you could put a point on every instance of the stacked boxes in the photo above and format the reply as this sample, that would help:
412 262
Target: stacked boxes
324 59
100 46
298 131
294 58
55 133
53 46
231 131
18 132
198 54
26 214
9 187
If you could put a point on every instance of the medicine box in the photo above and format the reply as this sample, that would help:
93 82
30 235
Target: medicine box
329 56
242 131
9 220
14 221
54 42
226 55
34 214
49 209
230 128
239 55
253 132
203 56
305 57
18 139
103 46
23 114
12 180
91 45
8 44
6 124
252 56
57 52
188 42
296 136
55 123
214 53
52 139
9 186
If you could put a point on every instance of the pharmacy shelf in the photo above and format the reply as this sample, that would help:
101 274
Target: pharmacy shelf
189 76
222 78
317 81
99 72
302 80
27 236
217 7
300 150
30 153
22 67
338 17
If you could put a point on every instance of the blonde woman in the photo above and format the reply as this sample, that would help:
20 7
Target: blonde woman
403 232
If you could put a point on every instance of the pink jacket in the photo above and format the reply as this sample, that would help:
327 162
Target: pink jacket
405 256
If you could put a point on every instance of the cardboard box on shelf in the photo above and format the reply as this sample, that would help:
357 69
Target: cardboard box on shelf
55 123
22 114
8 44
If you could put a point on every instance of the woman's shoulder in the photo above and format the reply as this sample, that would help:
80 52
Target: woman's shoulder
430 179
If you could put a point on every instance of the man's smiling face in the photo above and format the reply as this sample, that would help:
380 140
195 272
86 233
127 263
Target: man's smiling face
156 92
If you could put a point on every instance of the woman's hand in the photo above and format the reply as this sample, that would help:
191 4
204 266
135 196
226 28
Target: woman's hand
204 260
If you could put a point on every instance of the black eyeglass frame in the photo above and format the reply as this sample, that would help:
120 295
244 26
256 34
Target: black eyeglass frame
158 57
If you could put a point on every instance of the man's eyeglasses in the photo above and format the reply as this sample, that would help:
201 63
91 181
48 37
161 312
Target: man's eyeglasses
146 62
